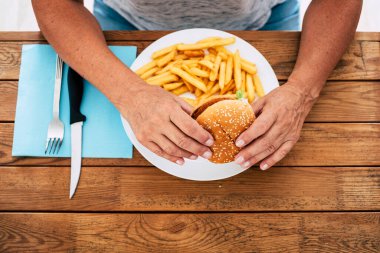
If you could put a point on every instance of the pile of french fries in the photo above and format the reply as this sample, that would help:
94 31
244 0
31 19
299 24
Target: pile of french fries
205 68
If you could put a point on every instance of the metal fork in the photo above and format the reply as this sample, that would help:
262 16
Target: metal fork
56 127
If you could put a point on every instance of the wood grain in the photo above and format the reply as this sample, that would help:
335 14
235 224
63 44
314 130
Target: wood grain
360 62
154 35
149 189
339 102
321 144
244 232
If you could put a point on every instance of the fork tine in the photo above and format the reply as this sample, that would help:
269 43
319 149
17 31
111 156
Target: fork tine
54 146
59 144
47 145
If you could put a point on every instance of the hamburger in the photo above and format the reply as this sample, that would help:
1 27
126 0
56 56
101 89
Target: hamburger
225 117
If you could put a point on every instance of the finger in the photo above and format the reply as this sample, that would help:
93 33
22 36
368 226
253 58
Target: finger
277 156
258 106
170 148
261 148
187 143
158 151
191 128
259 127
185 106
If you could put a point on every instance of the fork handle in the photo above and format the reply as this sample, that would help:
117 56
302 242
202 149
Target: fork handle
75 85
57 86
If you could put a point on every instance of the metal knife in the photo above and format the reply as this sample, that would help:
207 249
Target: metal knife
75 86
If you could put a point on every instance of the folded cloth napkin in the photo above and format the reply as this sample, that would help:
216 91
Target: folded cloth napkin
103 133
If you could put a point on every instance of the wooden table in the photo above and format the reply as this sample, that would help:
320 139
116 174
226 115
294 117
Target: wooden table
324 196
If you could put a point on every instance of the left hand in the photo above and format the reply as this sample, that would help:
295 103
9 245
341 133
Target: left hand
280 116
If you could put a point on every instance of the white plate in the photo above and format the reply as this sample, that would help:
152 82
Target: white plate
200 169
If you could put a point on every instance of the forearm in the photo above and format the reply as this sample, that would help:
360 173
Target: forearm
75 34
328 28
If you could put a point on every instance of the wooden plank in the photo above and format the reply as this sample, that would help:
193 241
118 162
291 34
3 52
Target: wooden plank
10 60
244 232
321 144
360 62
347 102
10 56
339 102
8 99
149 189
154 35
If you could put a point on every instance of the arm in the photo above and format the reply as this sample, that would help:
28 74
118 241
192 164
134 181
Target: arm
328 28
75 34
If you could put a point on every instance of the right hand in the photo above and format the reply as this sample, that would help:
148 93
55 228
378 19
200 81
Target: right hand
161 122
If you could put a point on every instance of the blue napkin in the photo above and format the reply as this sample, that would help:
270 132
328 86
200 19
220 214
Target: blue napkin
103 133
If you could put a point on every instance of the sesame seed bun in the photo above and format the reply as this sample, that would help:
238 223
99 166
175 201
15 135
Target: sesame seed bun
225 118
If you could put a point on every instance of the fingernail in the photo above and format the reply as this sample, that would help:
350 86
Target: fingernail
209 142
239 160
193 157
179 162
265 166
207 155
240 143
246 165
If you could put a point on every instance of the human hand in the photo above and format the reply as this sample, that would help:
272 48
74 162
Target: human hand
280 116
161 122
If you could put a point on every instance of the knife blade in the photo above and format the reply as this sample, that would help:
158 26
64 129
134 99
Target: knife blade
75 86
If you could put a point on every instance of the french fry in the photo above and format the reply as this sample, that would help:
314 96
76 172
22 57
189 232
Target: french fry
214 71
208 39
190 87
164 51
258 86
149 73
198 92
193 65
180 57
213 90
207 64
146 67
188 62
224 50
186 68
237 70
167 67
250 88
248 68
242 88
227 87
212 57
163 80
212 50
191 79
194 53
159 76
210 84
207 44
172 86
222 75
199 72
229 69
247 62
180 90
166 59
223 55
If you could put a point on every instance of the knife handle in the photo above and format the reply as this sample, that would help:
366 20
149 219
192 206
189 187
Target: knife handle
75 85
